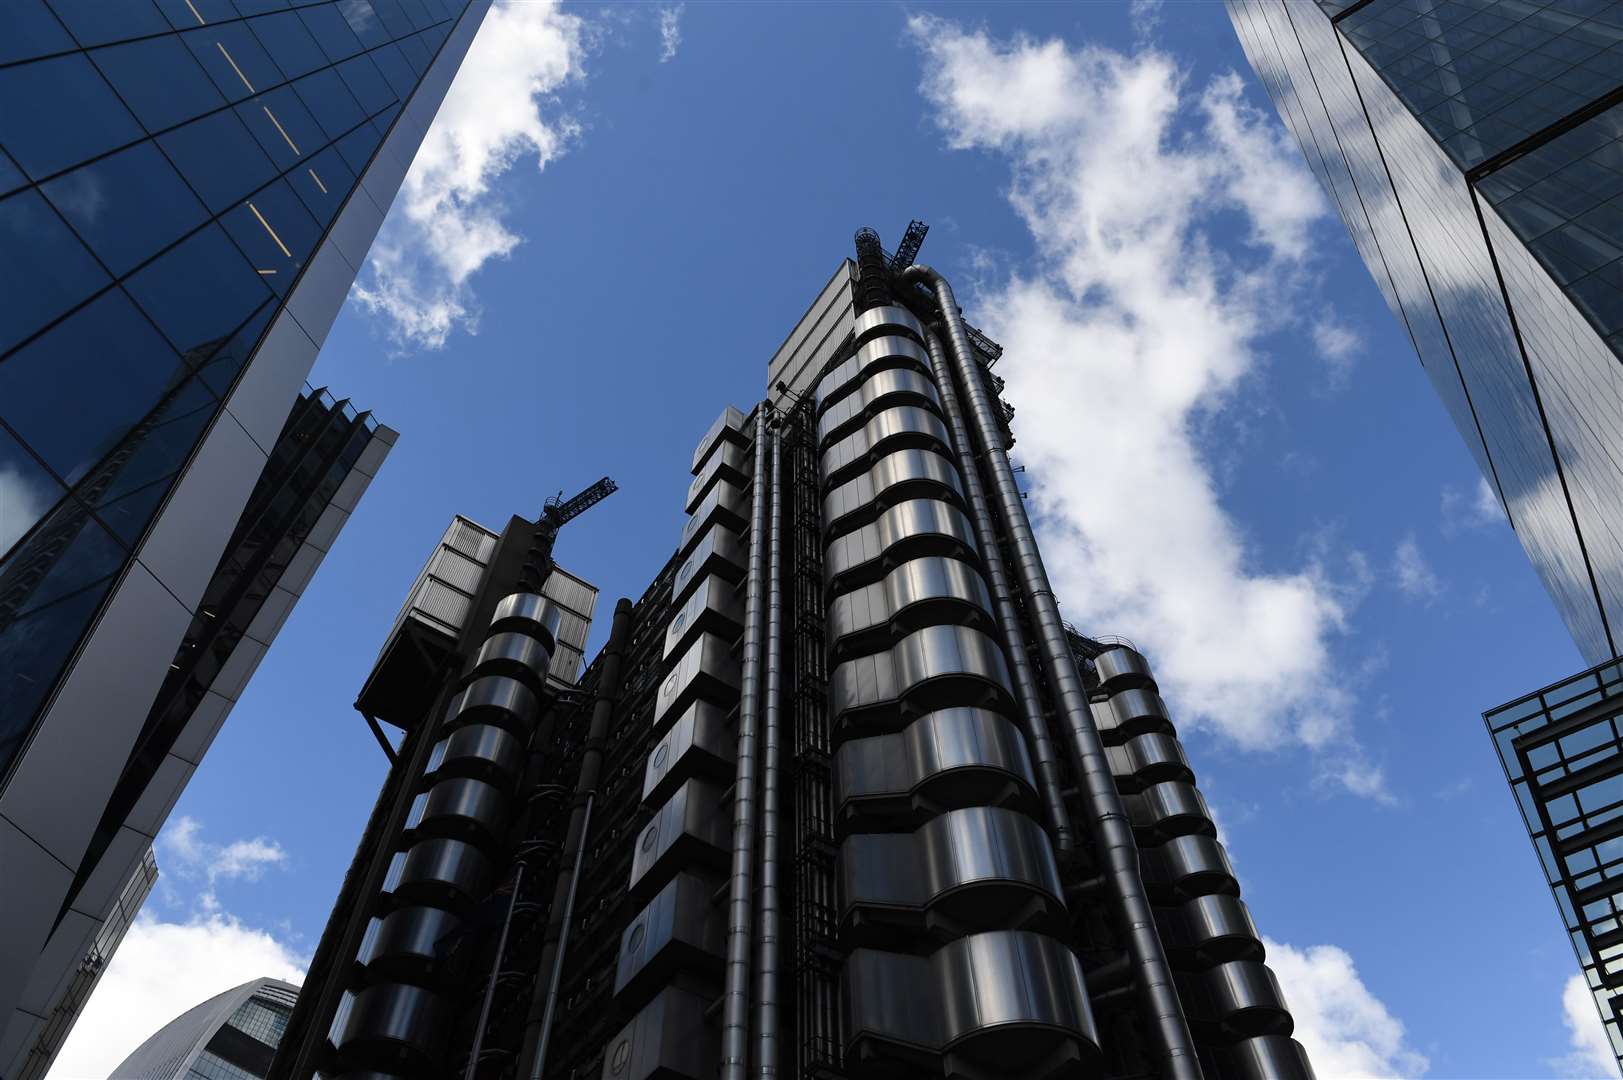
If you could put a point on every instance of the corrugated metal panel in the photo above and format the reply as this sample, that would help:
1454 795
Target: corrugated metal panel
457 569
816 338
566 663
571 592
442 603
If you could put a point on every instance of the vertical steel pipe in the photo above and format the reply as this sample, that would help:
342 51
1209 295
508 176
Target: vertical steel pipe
766 995
1112 834
495 973
735 1010
1008 619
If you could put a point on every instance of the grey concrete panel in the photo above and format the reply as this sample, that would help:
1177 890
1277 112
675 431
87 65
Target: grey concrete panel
152 808
200 728
300 569
112 873
350 491
271 615
266 392
86 734
17 1034
186 541
326 528
62 952
371 459
239 667
357 226
30 894
321 291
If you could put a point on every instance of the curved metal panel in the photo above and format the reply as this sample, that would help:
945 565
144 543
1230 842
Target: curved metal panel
934 667
1123 668
876 319
907 530
1150 759
510 653
1242 997
482 751
530 614
679 933
688 832
1189 866
1212 929
943 760
1268 1057
718 552
698 744
903 474
729 426
890 999
886 351
1132 713
707 671
730 462
443 872
927 590
881 389
499 699
726 505
404 945
670 1039
464 809
891 429
712 605
1011 979
393 1024
1172 808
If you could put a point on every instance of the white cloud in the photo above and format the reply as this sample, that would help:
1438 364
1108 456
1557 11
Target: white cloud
1591 1054
159 971
191 858
1135 331
1338 344
1476 510
448 220
1346 1031
1411 572
21 504
670 32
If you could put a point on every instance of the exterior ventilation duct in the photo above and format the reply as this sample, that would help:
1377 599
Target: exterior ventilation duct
768 955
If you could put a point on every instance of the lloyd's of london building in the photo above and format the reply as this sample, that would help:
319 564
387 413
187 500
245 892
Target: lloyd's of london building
187 190
1474 149
841 797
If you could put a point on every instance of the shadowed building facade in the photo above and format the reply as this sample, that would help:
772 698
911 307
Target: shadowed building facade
187 189
231 1036
841 797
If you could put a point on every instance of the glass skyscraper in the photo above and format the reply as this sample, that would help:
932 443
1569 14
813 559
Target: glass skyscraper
187 190
231 1036
1475 150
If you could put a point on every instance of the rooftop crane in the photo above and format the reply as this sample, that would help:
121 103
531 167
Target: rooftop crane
559 511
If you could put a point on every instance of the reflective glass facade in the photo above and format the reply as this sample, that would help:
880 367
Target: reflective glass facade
232 1036
1472 147
1562 750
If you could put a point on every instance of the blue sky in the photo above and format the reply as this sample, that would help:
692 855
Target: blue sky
1233 452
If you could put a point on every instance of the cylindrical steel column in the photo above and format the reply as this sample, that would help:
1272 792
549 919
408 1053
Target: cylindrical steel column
997 576
1112 834
766 997
740 896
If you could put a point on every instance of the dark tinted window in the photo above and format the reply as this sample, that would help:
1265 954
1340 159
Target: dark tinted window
330 102
199 291
167 437
27 493
219 158
364 21
234 59
222 367
331 31
120 369
284 127
392 63
72 114
45 271
33 649
97 22
357 146
322 184
366 82
159 80
289 43
127 206
11 177
275 232
28 29
185 14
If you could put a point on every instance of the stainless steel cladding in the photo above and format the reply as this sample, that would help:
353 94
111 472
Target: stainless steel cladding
659 1043
688 832
729 462
726 504
900 475
444 873
393 1025
712 606
979 868
1268 1057
678 934
877 319
1130 713
1241 998
880 354
700 744
1123 668
905 531
936 667
895 428
404 944
464 809
719 551
529 614
520 655
728 426
929 589
500 700
1212 929
1189 866
1011 1002
482 751
1149 759
944 760
880 390
1169 809
707 671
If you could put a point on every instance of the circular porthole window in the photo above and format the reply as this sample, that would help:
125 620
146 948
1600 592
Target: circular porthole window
650 837
681 617
635 941
662 755
621 1057
670 684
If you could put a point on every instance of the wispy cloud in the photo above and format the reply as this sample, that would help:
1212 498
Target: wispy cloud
187 855
670 31
1346 1030
450 219
1338 345
1591 1051
1138 326
1477 509
1412 573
